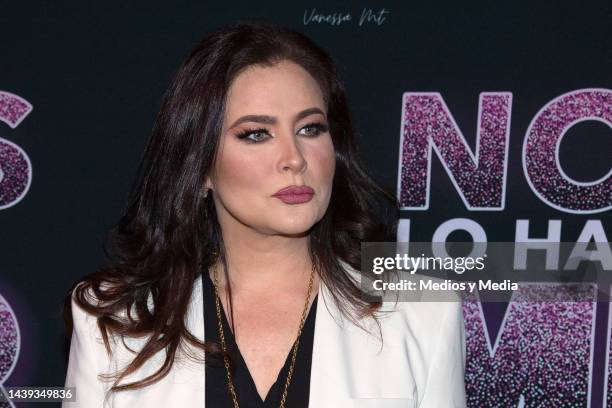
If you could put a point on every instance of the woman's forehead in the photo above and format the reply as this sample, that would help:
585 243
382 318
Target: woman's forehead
273 90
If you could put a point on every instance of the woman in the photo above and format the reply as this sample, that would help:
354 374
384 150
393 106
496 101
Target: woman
250 198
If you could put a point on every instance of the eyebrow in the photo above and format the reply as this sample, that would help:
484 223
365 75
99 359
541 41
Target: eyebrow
271 120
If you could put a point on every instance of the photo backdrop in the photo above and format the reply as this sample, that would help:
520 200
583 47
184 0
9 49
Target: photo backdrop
491 120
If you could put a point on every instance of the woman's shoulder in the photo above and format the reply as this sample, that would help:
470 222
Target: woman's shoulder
92 368
88 355
87 336
84 299
422 337
81 297
107 350
86 322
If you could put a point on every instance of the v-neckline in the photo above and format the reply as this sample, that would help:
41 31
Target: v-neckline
237 354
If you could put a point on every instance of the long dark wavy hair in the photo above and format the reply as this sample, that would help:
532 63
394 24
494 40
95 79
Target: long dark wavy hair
169 233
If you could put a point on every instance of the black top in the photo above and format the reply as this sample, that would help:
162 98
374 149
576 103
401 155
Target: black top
217 394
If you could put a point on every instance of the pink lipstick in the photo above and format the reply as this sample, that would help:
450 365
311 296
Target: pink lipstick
294 194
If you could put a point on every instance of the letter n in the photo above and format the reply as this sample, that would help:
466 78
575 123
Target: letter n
480 179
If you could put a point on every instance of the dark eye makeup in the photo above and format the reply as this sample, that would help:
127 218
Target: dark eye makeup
257 133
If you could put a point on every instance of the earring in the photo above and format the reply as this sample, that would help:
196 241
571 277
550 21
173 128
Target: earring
206 192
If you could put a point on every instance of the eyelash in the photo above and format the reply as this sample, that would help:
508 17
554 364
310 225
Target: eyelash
243 135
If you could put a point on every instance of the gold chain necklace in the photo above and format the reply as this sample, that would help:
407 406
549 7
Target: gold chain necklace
226 362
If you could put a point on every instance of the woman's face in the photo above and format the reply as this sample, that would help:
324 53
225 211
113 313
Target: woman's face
275 135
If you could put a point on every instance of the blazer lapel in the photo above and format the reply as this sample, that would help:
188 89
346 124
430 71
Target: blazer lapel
328 375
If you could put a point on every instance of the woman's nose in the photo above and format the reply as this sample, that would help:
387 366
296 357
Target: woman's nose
291 156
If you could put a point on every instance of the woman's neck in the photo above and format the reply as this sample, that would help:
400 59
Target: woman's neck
265 263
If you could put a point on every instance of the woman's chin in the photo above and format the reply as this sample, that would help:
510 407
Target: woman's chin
297 228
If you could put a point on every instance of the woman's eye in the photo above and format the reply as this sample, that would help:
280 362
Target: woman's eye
314 129
259 135
253 135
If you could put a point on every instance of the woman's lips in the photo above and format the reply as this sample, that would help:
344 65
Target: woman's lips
294 194
295 198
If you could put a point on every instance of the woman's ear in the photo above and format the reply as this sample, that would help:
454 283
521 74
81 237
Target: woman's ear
207 187
208 183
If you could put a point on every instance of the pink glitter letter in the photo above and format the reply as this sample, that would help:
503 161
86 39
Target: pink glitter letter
427 123
541 152
15 166
542 354
9 344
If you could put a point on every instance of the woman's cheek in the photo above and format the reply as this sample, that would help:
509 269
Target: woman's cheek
330 166
327 170
238 170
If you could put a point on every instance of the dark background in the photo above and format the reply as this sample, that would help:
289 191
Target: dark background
95 74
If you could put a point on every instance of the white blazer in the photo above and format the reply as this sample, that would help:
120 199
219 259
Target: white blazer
421 363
